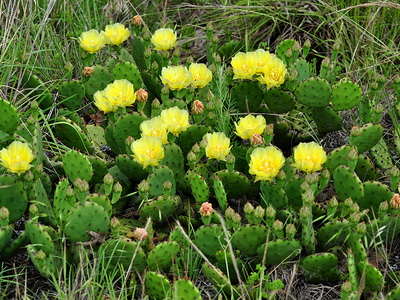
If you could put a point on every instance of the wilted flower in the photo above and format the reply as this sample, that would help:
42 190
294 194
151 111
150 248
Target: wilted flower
140 234
92 40
16 157
206 209
201 75
309 157
176 77
218 145
87 71
102 102
156 128
197 107
164 39
116 34
137 21
250 125
273 73
177 120
395 201
244 65
148 151
256 139
265 163
121 93
142 95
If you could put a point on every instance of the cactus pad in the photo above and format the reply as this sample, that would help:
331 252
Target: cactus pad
235 183
339 157
248 238
199 187
247 96
365 137
39 237
76 165
320 267
173 159
72 94
185 289
156 181
191 136
157 286
314 92
210 239
13 197
279 101
374 194
374 280
327 119
162 256
161 208
279 251
365 169
129 71
9 117
132 169
346 95
347 184
333 233
97 81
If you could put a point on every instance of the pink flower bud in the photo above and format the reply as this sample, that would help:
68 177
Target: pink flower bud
137 21
197 107
140 234
87 71
206 209
395 201
256 139
141 95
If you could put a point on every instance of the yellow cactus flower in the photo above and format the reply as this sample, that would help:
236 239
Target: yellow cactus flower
148 151
250 125
156 128
176 77
102 102
273 74
309 157
265 163
262 59
116 33
92 40
164 39
120 93
201 75
16 157
244 65
177 120
218 145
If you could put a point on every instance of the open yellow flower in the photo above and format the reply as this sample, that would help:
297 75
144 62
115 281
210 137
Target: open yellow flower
250 125
92 40
148 151
116 33
262 59
201 75
120 93
176 120
273 73
176 77
218 145
309 157
265 163
244 65
102 102
156 128
16 157
164 39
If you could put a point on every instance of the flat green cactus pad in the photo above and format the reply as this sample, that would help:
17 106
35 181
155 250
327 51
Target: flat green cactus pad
365 169
13 197
327 119
156 181
218 279
339 157
48 265
374 279
191 136
39 237
185 289
347 184
98 81
86 217
279 251
346 95
9 117
247 96
76 165
173 159
128 71
374 194
5 237
248 238
303 70
365 137
199 186
162 256
314 92
236 184
381 155
157 286
132 169
71 94
161 208
320 267
332 234
279 101
210 239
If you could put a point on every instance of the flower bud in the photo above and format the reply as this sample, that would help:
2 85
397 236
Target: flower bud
81 185
348 202
308 196
304 186
137 21
326 62
248 208
307 44
259 212
129 140
336 46
33 209
154 66
196 148
191 156
256 139
325 174
277 225
144 186
31 120
395 201
229 213
197 107
28 176
34 105
206 209
108 179
69 192
147 52
140 234
312 178
142 95
230 159
355 217
270 212
333 202
296 47
290 230
236 218
155 104
146 35
117 188
361 228
384 206
114 223
305 212
87 71
289 53
4 213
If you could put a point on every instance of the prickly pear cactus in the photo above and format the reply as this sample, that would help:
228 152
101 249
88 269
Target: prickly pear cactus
279 102
173 159
9 117
128 71
185 289
76 165
340 156
199 186
332 234
162 256
327 119
132 169
374 279
40 237
320 267
156 181
374 194
236 184
247 96
157 286
210 239
347 184
346 95
13 197
365 137
71 94
191 136
279 251
162 208
248 238
97 81
37 90
314 92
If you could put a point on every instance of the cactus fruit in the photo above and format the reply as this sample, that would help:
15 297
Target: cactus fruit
76 165
210 239
248 238
365 137
346 95
247 96
72 94
162 256
333 233
13 197
279 101
9 120
314 92
129 71
86 217
347 184
320 267
124 252
279 251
